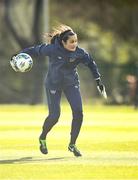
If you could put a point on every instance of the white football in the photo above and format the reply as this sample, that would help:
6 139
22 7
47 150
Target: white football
24 62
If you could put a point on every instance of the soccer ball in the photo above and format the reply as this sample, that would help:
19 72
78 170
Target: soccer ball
22 62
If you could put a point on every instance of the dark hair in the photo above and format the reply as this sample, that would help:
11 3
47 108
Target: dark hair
62 33
64 36
52 41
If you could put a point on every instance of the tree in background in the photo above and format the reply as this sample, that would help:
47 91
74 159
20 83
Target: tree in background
15 27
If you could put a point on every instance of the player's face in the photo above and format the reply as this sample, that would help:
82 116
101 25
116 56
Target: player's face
71 43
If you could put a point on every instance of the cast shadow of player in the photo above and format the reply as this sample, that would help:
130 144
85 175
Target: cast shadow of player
25 160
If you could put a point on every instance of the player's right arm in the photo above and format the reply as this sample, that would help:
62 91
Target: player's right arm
39 50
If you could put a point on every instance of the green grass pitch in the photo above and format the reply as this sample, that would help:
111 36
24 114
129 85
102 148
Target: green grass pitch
108 142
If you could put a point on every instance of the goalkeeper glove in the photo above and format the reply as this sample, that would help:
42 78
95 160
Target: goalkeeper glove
101 88
13 63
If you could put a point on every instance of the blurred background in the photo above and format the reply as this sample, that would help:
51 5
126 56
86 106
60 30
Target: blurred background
108 29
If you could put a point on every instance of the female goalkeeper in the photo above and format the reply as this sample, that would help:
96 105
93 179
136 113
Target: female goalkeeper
64 56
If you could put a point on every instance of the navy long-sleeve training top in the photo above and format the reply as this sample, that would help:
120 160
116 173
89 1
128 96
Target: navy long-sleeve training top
62 70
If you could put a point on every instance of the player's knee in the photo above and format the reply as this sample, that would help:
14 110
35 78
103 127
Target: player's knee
78 114
54 117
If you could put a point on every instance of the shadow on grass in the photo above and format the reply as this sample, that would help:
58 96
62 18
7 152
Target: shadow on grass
25 160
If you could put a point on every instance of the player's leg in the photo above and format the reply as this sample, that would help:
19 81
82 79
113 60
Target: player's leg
53 99
74 98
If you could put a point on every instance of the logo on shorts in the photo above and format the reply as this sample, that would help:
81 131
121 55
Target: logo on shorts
76 86
59 57
53 91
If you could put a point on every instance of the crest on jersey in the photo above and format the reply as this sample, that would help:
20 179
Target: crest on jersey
72 60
